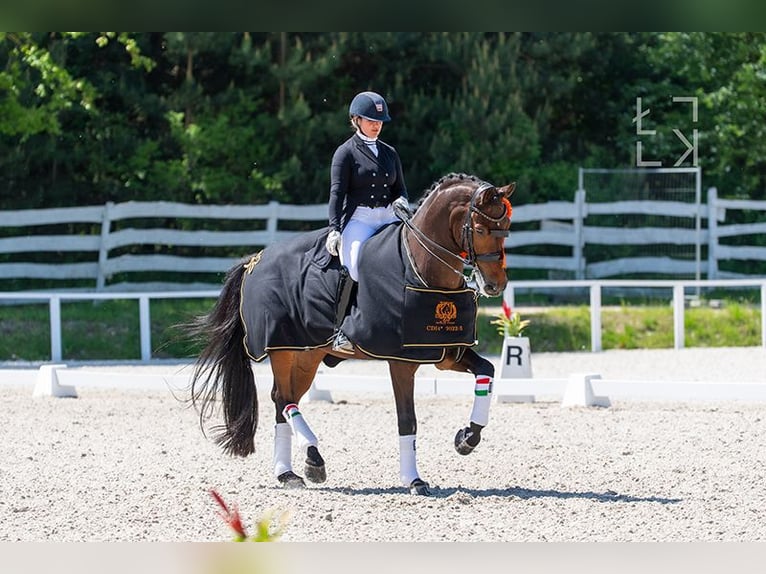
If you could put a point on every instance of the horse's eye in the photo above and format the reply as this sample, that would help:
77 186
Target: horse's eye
481 230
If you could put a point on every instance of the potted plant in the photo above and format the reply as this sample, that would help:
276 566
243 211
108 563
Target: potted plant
516 356
509 322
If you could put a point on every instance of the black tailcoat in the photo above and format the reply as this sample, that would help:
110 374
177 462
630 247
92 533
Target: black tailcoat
357 177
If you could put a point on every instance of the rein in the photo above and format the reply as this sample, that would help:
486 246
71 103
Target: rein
470 258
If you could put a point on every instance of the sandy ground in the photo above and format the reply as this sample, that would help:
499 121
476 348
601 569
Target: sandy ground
131 464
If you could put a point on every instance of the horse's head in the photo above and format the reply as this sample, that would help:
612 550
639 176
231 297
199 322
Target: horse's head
479 216
487 221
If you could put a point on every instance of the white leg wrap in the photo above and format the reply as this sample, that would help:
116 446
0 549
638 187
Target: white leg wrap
408 465
300 427
283 448
481 400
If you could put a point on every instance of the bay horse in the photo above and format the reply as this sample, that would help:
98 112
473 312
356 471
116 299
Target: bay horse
280 304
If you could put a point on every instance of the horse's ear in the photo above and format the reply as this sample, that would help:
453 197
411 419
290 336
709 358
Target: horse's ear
493 193
507 191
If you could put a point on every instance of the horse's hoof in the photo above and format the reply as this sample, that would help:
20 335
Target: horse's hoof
315 469
465 441
420 487
291 480
332 361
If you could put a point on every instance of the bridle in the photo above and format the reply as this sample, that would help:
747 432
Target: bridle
469 257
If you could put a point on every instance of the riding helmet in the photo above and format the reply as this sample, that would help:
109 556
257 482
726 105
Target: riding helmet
369 105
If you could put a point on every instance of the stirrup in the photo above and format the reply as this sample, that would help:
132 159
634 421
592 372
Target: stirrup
342 344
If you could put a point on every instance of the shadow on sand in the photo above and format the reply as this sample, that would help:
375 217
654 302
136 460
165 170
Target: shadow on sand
514 492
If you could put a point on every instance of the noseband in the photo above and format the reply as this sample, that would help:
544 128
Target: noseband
469 257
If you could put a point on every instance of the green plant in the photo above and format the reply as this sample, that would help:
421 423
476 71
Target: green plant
509 323
264 532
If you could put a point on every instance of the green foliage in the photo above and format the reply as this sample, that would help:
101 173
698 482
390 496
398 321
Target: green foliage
36 85
512 325
251 117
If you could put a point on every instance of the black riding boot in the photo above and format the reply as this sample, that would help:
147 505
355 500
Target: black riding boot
343 302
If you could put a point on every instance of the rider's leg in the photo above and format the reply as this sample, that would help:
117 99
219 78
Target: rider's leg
363 224
343 299
356 232
354 235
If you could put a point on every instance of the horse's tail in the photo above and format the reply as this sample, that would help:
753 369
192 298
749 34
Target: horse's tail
224 366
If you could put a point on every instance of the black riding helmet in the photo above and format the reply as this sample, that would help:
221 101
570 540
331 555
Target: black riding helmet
369 105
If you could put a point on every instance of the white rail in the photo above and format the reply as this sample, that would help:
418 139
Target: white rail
595 288
678 299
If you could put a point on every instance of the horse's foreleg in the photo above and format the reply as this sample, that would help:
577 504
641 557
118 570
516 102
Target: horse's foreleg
403 379
469 437
293 374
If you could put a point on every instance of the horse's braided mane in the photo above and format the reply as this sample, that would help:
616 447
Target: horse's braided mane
449 178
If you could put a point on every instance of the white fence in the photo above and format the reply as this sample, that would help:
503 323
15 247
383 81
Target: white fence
102 241
106 247
677 288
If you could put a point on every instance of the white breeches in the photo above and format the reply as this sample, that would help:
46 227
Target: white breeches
363 224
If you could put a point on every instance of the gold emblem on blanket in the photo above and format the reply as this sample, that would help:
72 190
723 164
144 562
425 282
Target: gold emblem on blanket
430 317
250 265
445 313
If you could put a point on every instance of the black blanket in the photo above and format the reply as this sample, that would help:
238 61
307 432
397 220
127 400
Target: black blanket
288 302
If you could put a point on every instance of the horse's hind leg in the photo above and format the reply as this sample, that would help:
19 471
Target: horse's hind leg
468 437
293 373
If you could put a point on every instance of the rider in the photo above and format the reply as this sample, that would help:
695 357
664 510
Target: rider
366 185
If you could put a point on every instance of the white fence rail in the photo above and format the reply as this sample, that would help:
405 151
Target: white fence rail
678 289
106 246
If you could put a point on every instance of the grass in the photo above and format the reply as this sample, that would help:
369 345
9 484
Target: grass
560 329
109 330
104 330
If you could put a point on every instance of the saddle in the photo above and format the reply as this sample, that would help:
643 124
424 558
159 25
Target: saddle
292 302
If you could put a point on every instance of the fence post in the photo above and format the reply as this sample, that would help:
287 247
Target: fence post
145 328
579 224
273 221
54 305
678 316
103 250
595 317
763 315
509 296
712 231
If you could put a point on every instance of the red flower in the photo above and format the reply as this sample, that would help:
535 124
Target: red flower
506 309
231 517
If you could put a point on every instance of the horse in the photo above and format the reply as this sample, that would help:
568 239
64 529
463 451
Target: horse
460 222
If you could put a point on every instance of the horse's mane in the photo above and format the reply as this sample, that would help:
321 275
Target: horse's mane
448 179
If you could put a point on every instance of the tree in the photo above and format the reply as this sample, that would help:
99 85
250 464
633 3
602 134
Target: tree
726 72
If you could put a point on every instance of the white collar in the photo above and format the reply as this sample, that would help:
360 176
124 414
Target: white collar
366 139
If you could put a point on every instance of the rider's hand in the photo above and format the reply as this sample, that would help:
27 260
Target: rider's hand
333 242
402 208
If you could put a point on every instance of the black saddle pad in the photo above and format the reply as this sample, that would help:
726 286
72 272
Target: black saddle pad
288 302
396 316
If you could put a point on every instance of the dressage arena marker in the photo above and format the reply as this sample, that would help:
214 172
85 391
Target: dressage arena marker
515 363
47 383
579 392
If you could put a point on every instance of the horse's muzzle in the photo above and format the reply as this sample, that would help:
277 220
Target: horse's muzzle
492 289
